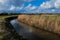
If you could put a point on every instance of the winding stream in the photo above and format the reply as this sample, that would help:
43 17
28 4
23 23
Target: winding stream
32 33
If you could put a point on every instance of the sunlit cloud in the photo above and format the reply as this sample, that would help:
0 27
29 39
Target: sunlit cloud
52 6
51 3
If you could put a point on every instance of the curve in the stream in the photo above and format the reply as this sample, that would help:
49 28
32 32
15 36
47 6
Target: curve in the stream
32 33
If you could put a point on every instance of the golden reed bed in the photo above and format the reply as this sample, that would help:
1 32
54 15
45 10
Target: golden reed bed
45 21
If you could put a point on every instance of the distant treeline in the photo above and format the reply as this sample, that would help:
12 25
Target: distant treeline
10 13
5 13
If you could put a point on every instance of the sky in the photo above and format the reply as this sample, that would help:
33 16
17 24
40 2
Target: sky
30 6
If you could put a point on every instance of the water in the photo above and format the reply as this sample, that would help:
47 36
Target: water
32 33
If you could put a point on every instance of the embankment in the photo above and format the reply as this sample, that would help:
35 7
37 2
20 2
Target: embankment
9 32
48 22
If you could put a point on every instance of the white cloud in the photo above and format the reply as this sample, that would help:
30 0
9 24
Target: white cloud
50 4
1 1
18 8
4 5
4 2
33 7
57 4
15 5
53 10
9 5
12 7
30 8
29 0
45 5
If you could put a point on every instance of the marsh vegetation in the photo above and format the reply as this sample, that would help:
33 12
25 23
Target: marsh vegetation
49 22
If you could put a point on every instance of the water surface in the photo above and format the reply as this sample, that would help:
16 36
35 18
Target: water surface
32 33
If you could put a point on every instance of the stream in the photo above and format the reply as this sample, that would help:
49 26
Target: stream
31 33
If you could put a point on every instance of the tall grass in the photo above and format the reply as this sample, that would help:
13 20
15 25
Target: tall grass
45 21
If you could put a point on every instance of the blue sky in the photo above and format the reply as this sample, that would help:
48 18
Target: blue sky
30 6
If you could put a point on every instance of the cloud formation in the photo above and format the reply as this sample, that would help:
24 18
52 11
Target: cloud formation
18 5
30 8
28 0
13 8
50 4
12 4
4 4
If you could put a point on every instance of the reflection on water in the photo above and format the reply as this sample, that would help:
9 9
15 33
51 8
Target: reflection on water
32 33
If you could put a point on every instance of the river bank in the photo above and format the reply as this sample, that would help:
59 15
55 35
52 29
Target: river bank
6 30
48 22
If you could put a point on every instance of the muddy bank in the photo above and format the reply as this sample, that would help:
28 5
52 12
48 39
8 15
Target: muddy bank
46 22
9 31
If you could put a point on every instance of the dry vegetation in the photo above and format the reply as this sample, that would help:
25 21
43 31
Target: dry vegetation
44 21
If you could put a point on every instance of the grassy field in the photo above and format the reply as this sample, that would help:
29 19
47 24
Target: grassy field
49 22
2 26
6 16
